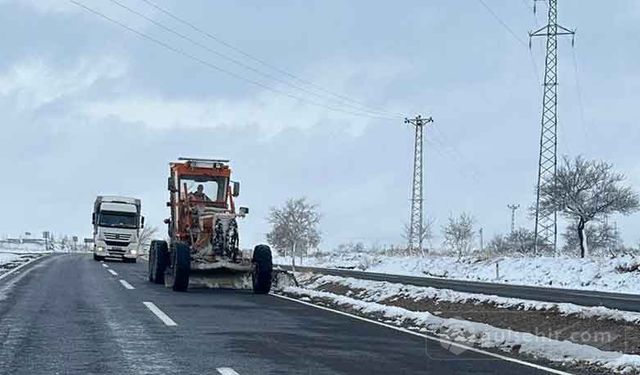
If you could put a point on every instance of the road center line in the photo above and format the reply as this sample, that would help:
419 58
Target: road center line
160 314
126 284
226 371
104 265
114 273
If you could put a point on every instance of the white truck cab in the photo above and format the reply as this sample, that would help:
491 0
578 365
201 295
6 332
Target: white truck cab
116 228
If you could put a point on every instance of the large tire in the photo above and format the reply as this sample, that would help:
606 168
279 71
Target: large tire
97 258
177 274
262 269
158 254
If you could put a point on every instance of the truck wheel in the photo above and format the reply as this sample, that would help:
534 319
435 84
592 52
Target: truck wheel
157 261
177 274
262 269
97 257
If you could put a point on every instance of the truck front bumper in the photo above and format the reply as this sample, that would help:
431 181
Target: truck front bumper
116 252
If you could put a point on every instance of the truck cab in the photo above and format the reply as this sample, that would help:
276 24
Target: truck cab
116 228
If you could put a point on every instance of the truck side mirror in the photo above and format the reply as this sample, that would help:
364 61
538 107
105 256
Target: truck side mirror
236 189
93 219
141 221
171 184
244 210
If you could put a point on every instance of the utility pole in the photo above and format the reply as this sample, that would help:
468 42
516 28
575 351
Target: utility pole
546 228
513 208
416 229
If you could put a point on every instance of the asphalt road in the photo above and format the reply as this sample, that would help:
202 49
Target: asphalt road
621 301
68 314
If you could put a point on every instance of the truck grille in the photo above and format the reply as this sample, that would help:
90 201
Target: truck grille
116 243
116 252
117 236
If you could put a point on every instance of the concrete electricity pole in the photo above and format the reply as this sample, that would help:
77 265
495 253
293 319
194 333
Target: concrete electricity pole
546 229
513 208
416 229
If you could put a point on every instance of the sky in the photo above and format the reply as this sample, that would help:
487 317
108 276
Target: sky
90 107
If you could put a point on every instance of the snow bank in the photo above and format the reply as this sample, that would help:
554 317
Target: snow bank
8 258
380 291
479 334
601 274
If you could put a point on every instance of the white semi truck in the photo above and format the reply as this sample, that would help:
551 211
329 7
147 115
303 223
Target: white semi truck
116 228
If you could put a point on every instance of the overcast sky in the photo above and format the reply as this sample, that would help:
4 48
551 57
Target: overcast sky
90 108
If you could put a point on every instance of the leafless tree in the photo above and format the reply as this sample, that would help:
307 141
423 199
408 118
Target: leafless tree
585 190
146 235
427 233
602 239
519 242
458 234
294 228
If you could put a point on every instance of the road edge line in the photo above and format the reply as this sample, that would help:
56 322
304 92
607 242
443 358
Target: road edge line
429 337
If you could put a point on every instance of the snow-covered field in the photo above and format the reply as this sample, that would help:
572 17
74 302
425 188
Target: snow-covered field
380 291
603 274
12 256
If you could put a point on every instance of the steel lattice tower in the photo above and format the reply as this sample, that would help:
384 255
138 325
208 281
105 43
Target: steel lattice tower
416 224
546 223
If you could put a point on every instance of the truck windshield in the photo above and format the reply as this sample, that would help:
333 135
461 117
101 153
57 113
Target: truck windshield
211 189
118 219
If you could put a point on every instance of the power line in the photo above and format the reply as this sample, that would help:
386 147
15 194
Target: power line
579 93
222 70
514 35
258 60
504 24
238 62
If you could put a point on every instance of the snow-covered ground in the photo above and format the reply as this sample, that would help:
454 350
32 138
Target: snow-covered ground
476 334
8 258
381 291
603 274
21 248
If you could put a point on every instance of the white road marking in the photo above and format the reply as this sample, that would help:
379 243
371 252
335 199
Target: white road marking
126 284
226 371
114 273
428 337
160 314
104 265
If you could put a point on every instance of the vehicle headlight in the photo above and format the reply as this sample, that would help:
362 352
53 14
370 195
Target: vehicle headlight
100 248
134 252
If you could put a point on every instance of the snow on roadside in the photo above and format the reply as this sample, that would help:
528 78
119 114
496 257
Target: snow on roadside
379 291
479 334
8 258
602 274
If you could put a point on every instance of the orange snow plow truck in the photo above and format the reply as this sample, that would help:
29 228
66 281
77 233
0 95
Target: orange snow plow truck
203 247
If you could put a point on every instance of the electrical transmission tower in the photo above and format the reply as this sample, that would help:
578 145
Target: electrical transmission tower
513 208
416 226
546 223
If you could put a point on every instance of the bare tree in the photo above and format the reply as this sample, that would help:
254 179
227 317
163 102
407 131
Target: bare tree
458 234
146 235
294 228
602 238
426 235
585 190
519 242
